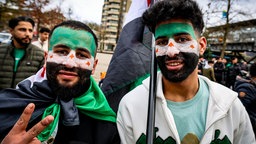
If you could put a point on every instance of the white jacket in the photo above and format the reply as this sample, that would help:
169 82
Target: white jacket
40 44
226 116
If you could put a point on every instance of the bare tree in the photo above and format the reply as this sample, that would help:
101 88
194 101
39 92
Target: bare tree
225 12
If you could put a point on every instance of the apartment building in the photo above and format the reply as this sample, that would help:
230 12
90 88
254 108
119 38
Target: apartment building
113 14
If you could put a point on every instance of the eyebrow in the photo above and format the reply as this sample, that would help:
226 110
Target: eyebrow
83 49
161 37
181 33
62 46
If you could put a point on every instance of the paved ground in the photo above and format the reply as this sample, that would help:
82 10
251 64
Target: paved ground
103 62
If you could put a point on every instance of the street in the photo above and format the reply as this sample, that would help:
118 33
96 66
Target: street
103 62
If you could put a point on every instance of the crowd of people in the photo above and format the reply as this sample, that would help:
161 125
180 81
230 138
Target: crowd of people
49 95
223 71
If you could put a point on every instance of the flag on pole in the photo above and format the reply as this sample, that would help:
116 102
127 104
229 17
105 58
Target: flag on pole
131 60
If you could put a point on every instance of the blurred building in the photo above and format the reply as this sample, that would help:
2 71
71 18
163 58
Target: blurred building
113 14
240 39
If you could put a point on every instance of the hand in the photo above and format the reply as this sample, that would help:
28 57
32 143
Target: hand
19 135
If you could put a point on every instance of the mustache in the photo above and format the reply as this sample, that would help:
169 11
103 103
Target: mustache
63 67
179 56
58 67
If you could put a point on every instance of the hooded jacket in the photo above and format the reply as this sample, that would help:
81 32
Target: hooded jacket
227 120
249 99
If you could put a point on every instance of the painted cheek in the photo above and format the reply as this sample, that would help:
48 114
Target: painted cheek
190 47
86 63
52 57
170 49
175 48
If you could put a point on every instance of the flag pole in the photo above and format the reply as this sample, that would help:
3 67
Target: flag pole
152 97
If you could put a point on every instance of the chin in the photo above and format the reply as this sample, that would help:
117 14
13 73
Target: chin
64 89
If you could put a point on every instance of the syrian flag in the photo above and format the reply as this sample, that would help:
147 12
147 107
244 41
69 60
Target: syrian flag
131 60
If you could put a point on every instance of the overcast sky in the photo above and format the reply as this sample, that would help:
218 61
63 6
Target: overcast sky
91 10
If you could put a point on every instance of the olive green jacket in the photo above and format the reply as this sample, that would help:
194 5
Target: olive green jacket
30 63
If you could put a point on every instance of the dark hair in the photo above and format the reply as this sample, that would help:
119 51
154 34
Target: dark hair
233 58
15 21
77 26
210 62
44 29
253 70
174 9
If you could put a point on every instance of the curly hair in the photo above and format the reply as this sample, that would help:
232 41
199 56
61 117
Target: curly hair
174 9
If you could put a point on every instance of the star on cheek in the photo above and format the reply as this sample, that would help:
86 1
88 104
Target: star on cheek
71 56
192 46
88 63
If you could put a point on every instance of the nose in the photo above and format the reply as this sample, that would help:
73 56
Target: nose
70 61
172 50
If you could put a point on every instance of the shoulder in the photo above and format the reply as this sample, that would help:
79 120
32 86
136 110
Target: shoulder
221 95
36 49
135 96
241 85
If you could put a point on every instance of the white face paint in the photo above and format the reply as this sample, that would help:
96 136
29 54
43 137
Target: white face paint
71 60
173 48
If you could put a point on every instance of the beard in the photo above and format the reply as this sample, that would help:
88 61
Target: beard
190 61
20 41
66 93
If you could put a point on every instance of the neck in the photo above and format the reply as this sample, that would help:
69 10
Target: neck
17 45
181 91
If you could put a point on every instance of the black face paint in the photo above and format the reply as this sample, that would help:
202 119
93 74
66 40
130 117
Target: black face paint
190 61
64 92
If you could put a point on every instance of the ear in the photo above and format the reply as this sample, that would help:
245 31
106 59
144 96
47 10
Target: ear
202 45
94 65
11 31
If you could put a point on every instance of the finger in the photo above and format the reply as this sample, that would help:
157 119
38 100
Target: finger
38 128
22 122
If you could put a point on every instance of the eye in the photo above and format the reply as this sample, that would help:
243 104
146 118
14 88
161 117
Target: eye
61 52
162 42
83 55
182 38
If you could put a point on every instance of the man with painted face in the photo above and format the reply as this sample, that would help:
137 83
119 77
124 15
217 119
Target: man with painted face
68 105
189 109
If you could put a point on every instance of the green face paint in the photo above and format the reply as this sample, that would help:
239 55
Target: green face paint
73 39
170 29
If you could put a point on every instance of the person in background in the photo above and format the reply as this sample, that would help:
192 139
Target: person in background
201 64
64 89
233 71
219 70
189 108
102 77
247 94
208 71
19 59
42 41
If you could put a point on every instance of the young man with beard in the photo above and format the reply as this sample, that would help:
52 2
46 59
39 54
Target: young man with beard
42 41
19 59
65 90
190 109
